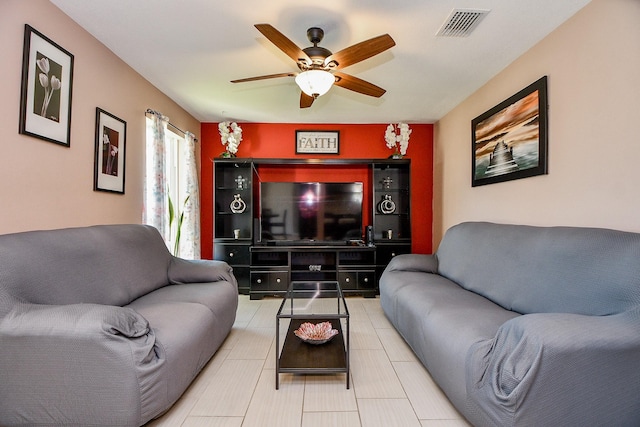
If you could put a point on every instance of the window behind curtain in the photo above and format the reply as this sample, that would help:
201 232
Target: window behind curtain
176 176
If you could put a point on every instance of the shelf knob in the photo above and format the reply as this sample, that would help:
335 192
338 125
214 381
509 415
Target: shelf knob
230 254
278 280
347 280
366 279
393 254
259 281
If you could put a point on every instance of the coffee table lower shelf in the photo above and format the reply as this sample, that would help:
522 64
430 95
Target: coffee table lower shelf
299 357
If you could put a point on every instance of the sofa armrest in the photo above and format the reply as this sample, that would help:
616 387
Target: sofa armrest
576 367
77 319
66 357
414 262
200 271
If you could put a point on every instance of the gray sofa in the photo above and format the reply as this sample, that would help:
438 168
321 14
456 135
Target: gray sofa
525 326
103 326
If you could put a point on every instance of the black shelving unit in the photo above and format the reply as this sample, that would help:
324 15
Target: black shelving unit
268 270
233 216
391 210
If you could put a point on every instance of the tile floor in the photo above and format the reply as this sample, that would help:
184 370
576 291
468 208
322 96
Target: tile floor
389 386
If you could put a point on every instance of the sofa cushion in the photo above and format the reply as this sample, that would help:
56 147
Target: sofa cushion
545 269
190 322
441 321
220 299
106 264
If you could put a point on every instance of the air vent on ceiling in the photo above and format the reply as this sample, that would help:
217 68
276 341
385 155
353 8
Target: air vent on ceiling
461 22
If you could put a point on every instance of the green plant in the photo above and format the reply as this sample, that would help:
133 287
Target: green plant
172 216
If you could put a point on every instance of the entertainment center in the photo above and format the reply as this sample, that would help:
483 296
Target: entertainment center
283 220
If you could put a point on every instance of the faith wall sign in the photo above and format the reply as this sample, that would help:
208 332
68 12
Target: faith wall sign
317 142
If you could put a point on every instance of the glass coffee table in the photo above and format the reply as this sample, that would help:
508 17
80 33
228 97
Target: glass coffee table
314 302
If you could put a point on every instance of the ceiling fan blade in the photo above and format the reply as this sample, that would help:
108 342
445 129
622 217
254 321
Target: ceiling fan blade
283 43
358 85
306 100
268 76
360 51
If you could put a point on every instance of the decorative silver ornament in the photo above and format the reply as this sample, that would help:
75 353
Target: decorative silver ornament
238 205
386 183
387 206
240 182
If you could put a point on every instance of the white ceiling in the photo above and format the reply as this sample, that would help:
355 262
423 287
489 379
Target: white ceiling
191 49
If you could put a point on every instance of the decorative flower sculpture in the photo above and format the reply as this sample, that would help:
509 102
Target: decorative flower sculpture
319 333
397 138
230 137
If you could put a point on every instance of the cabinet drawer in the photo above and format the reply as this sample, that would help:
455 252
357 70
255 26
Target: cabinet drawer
384 253
348 280
232 254
366 279
259 281
357 279
269 280
278 280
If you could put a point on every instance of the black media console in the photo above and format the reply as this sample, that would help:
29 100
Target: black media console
265 268
273 268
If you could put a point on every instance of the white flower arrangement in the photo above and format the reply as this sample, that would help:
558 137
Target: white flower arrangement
230 136
397 137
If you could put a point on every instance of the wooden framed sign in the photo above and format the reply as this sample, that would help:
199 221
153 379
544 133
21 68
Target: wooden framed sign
317 142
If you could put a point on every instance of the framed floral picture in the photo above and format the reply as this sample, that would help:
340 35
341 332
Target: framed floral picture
510 140
111 140
47 78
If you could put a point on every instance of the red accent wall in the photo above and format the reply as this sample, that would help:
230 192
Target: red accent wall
357 141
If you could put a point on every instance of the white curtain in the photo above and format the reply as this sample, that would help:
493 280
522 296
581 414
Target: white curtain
156 201
190 231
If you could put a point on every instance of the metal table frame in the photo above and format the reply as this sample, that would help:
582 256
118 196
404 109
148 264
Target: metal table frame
299 357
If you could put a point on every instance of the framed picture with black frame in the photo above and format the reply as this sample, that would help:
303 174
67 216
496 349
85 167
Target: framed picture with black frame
509 141
109 165
47 80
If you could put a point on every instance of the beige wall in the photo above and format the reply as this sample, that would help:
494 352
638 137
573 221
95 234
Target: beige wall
45 185
593 64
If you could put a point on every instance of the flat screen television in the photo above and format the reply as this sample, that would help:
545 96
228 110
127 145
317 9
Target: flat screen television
310 212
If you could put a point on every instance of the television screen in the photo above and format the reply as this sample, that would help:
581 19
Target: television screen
311 211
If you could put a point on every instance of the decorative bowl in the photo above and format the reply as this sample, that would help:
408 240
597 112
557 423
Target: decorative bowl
319 333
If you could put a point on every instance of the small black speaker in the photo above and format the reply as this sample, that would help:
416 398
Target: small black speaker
369 235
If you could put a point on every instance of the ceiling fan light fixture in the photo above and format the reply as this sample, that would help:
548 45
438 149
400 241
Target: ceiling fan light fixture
315 82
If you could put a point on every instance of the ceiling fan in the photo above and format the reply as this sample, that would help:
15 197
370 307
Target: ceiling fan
318 66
